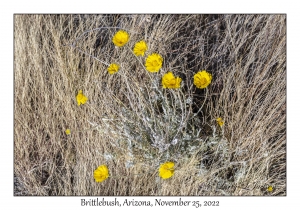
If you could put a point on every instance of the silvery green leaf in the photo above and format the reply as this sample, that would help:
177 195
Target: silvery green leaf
129 164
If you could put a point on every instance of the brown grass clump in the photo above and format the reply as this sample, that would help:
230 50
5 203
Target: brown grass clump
131 124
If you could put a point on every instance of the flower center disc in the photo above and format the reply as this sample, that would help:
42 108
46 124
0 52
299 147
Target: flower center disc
155 63
203 81
173 82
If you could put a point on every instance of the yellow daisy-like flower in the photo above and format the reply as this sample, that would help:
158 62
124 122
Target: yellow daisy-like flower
113 68
220 121
270 188
166 170
154 62
101 173
169 81
68 132
81 99
140 48
202 79
120 38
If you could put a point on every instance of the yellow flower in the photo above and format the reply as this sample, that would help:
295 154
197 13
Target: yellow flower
113 68
120 38
166 170
154 62
169 81
81 99
140 48
101 173
202 79
220 121
270 188
68 132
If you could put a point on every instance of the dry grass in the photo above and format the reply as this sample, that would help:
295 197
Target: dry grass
54 59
